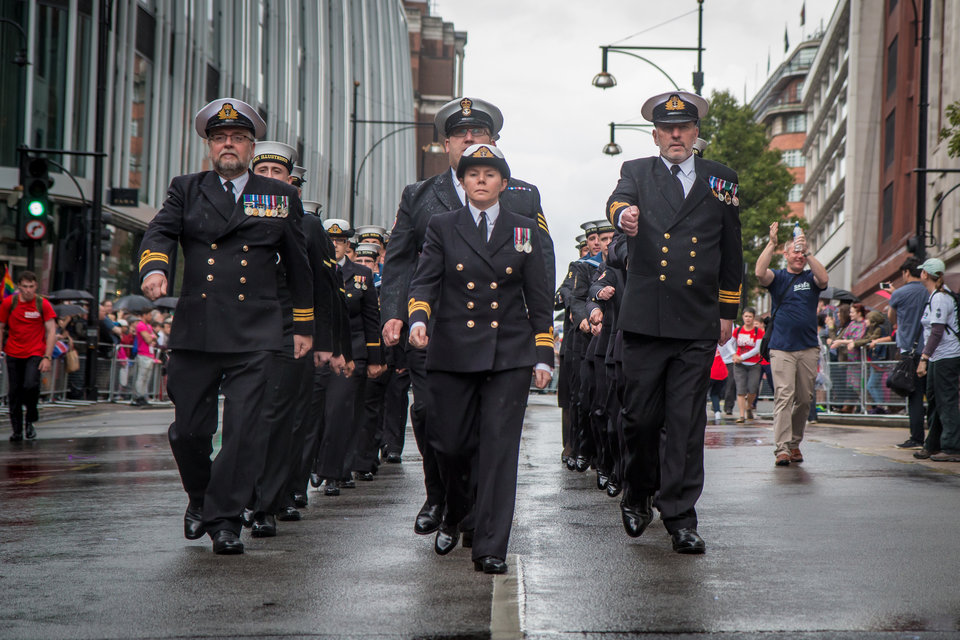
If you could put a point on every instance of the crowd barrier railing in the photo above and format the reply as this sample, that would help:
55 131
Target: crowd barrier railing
116 378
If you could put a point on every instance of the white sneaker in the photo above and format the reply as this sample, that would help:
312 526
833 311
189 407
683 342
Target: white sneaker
717 416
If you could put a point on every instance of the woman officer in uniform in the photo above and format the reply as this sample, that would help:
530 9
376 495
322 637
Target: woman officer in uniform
480 285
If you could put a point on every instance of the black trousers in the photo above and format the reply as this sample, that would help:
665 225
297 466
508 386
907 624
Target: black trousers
664 422
612 413
366 454
482 417
313 426
342 423
598 415
417 367
283 409
563 401
395 405
194 379
23 383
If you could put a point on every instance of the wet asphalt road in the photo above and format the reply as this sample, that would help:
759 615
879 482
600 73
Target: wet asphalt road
846 545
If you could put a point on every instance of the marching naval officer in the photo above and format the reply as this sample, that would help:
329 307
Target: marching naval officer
463 122
231 224
480 276
681 216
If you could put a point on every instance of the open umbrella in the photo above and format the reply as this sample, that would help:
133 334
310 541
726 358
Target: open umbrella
69 294
834 293
134 303
167 302
64 310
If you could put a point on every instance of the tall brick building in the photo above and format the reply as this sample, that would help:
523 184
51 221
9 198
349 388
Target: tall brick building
436 57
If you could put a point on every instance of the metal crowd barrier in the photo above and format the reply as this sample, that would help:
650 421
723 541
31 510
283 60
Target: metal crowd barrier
116 377
858 386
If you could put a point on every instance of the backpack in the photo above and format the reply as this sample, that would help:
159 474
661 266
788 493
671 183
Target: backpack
16 299
956 307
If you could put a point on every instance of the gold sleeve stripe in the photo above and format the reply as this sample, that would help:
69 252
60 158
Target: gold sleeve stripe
153 256
542 221
544 227
730 299
373 344
418 306
616 205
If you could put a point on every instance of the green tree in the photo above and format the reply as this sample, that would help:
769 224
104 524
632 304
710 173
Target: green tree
740 142
952 133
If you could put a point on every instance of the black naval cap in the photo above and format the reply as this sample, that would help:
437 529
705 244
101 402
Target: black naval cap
228 112
468 112
674 106
483 154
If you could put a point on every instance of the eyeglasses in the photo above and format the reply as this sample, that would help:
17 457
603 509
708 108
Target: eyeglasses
476 132
236 138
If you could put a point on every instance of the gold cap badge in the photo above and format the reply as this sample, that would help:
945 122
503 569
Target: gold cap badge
335 228
482 152
227 112
465 106
675 104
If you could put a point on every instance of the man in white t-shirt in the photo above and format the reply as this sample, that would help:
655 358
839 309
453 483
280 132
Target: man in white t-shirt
940 365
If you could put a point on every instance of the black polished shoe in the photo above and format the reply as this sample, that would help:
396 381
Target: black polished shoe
490 564
16 436
602 480
289 514
349 483
315 481
331 488
366 476
246 518
571 463
636 517
193 522
30 433
227 543
299 500
613 487
428 520
264 525
582 464
446 540
688 541
467 540
394 458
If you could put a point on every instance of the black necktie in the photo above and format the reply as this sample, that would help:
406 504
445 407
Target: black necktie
675 170
483 228
228 187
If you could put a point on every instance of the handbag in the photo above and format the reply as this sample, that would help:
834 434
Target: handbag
903 379
71 361
765 342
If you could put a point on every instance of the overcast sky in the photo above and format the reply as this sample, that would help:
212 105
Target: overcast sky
535 59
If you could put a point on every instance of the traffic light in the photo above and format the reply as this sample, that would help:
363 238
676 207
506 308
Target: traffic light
35 201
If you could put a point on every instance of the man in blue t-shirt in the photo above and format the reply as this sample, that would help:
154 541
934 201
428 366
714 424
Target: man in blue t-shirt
794 348
905 309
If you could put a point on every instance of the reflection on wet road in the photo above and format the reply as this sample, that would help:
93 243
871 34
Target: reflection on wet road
844 545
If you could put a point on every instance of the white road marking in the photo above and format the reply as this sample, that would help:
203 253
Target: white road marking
509 603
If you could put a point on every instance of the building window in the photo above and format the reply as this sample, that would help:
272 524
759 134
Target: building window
796 193
50 80
892 68
889 138
140 125
796 123
793 157
886 223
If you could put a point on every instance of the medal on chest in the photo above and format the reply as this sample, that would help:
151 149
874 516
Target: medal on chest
521 240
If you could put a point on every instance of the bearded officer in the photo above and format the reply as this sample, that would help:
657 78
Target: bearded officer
463 122
231 225
684 266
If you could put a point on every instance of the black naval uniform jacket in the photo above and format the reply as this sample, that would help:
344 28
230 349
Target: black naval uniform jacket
491 306
419 202
364 310
331 326
228 301
684 266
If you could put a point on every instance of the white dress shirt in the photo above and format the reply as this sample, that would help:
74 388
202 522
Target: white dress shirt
687 175
492 214
239 183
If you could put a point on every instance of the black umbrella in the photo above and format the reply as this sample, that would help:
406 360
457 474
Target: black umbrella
135 304
168 302
834 293
69 294
69 310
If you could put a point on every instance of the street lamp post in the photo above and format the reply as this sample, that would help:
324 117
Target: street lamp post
612 148
605 80
354 172
20 59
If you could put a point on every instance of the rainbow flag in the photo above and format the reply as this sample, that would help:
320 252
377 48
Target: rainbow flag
8 286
